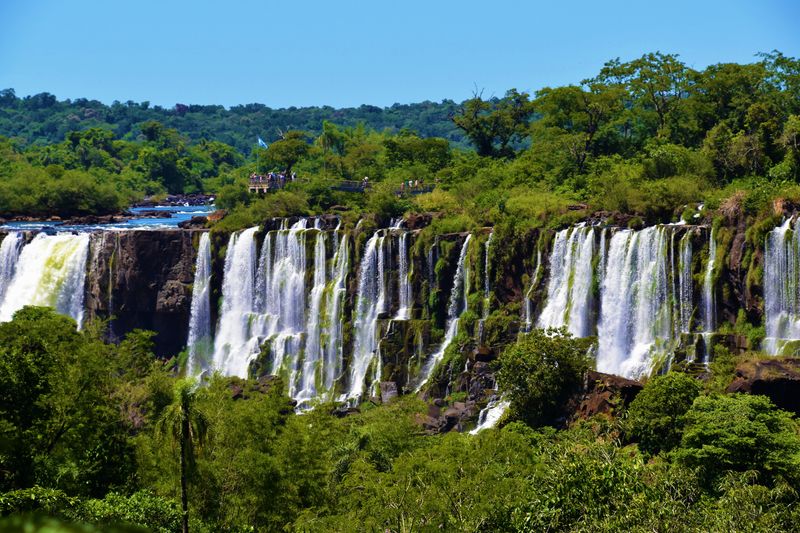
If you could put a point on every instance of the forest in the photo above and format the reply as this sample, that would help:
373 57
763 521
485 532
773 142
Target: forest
103 436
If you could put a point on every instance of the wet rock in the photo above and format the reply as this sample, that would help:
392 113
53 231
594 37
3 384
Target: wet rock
142 279
388 391
483 353
603 394
778 379
197 222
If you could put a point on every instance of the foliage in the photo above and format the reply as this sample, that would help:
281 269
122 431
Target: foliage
739 433
540 372
656 415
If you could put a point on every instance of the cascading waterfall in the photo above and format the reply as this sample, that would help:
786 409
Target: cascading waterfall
685 289
636 297
781 284
284 314
235 344
487 286
403 279
490 415
708 285
709 301
456 306
313 347
9 255
199 341
50 271
370 302
569 292
335 304
527 306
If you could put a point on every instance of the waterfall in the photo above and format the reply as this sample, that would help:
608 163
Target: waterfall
283 317
234 345
456 306
636 296
527 307
486 282
708 286
313 348
490 415
403 280
685 283
333 353
199 341
50 271
370 302
569 291
9 254
781 284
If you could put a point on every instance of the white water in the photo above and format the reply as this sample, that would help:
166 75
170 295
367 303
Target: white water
235 345
333 353
9 255
50 271
708 286
490 415
781 285
569 291
370 302
403 280
527 307
636 298
199 340
456 306
685 289
487 286
313 348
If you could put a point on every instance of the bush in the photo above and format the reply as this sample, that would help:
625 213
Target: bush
655 417
540 372
739 433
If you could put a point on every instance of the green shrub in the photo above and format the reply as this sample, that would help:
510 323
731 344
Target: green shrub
655 417
540 372
739 433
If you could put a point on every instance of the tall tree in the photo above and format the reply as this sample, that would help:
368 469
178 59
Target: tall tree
184 423
493 126
289 149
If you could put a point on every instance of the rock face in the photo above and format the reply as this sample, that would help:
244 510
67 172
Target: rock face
778 379
603 394
142 280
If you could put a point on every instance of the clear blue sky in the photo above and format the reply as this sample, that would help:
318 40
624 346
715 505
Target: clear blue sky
345 53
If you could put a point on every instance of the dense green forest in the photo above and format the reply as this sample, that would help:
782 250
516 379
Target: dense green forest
94 433
645 137
105 434
42 119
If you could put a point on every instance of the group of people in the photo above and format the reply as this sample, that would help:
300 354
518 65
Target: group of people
273 179
410 185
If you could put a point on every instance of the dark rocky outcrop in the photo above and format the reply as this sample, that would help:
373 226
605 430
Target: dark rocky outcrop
778 379
143 280
602 394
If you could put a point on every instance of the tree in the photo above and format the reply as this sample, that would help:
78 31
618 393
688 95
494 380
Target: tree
186 425
493 126
739 433
656 415
540 372
656 82
288 150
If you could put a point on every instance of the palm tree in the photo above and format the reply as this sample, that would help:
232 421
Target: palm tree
186 425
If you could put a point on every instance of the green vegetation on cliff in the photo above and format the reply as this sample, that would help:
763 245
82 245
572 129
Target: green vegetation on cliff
83 426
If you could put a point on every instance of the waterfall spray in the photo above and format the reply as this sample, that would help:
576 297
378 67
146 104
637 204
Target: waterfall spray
199 341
